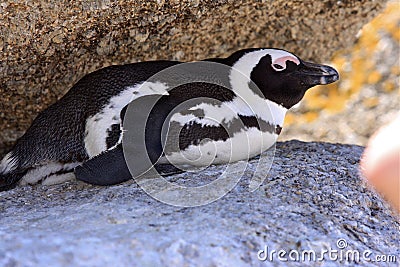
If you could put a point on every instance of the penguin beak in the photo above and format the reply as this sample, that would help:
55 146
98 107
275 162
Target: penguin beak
312 74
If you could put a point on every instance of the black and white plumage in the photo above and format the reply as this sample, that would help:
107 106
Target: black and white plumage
83 130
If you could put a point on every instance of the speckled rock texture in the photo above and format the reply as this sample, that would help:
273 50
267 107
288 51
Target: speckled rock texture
312 199
367 95
46 46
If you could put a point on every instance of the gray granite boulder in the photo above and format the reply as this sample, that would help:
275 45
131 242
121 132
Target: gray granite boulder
312 199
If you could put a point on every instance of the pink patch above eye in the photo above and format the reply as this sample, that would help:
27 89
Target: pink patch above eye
282 61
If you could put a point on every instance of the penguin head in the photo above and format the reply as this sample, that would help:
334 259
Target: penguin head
280 76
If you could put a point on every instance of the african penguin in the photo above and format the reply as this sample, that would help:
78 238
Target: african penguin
83 131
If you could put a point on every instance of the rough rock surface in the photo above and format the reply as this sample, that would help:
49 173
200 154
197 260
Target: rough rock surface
311 198
367 95
46 46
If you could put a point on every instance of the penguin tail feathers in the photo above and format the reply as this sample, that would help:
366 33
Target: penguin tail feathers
9 172
10 180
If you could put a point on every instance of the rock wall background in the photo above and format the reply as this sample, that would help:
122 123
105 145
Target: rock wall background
367 95
46 46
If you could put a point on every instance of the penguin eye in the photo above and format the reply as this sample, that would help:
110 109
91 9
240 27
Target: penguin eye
281 63
278 67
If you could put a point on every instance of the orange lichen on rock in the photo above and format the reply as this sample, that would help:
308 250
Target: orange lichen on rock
388 87
374 77
371 102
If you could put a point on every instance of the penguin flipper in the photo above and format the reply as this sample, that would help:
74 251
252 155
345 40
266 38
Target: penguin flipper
108 168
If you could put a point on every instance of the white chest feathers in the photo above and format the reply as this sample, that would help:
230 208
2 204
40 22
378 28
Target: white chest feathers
247 134
241 146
